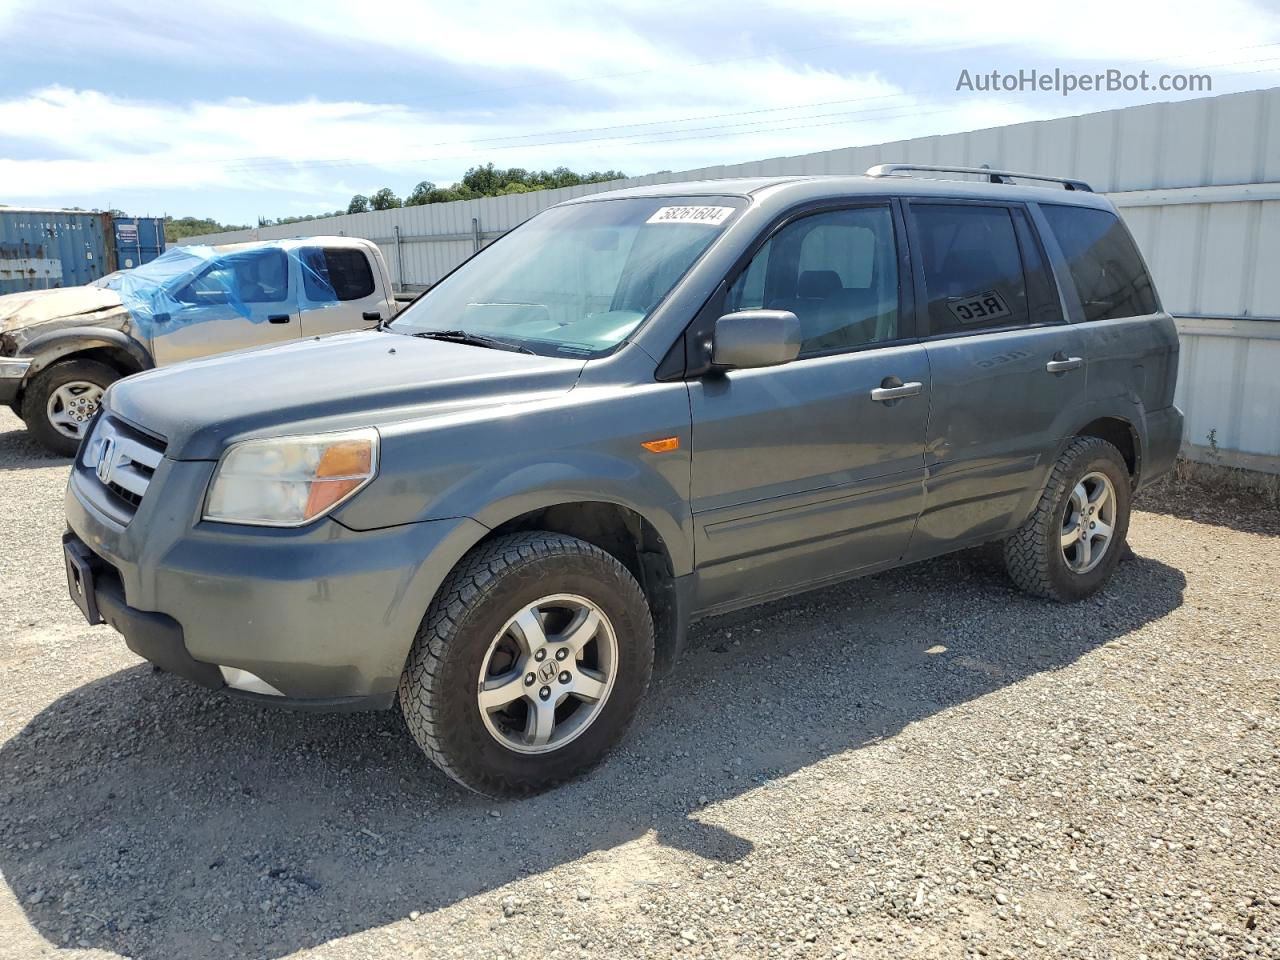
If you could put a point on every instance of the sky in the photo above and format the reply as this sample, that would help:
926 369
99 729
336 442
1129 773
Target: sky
245 109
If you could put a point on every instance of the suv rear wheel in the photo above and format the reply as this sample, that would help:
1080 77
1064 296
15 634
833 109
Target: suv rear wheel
62 399
1070 545
529 665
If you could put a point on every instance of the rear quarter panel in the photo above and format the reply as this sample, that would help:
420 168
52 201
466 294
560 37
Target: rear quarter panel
1133 369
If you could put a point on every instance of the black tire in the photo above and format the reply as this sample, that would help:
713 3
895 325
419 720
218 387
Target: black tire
35 400
489 585
1034 557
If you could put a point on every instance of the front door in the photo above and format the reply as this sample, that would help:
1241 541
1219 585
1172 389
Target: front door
807 471
1008 372
241 299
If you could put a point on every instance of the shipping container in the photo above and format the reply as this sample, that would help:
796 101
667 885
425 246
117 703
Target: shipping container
138 240
40 249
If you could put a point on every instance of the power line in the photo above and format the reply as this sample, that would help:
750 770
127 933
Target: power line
629 139
262 161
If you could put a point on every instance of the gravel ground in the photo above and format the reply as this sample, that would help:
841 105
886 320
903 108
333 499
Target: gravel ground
921 763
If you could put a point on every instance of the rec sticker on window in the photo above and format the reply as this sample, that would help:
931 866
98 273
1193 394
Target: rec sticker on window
710 216
980 308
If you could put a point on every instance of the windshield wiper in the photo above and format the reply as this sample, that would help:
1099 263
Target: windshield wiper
472 340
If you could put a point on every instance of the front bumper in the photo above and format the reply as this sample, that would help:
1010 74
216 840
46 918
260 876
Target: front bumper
13 370
325 615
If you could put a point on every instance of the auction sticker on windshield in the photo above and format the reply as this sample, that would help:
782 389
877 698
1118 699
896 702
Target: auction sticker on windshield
711 216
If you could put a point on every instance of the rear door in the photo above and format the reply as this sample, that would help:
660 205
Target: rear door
806 471
1008 372
242 299
340 290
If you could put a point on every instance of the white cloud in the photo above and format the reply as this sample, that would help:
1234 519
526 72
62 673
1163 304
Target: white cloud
1171 31
314 150
587 66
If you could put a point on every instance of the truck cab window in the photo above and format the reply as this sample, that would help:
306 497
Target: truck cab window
335 273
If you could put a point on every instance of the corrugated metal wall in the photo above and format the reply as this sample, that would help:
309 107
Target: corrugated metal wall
1198 181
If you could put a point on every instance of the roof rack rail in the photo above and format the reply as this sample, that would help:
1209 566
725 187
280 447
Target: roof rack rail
995 176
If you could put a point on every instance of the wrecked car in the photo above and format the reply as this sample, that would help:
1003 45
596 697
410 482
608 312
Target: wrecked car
61 348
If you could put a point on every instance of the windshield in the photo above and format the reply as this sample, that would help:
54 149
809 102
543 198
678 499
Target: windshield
575 280
175 262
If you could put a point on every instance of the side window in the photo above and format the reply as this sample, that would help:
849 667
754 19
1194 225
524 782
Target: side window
836 271
254 276
973 274
1104 263
335 273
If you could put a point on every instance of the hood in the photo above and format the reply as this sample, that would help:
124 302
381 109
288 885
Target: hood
321 385
39 306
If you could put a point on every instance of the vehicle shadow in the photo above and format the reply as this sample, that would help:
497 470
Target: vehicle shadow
18 450
144 816
1216 501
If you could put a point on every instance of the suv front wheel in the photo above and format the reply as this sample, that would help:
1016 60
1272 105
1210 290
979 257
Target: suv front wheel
529 665
1070 545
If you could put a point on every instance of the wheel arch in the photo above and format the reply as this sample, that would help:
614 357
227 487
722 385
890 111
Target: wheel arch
635 542
114 348
1117 428
1121 434
627 535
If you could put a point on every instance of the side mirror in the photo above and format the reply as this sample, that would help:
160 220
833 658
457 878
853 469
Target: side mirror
755 338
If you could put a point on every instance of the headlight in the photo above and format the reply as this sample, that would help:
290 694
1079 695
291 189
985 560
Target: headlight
289 481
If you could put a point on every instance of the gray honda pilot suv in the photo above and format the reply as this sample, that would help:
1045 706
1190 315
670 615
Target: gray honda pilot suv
638 408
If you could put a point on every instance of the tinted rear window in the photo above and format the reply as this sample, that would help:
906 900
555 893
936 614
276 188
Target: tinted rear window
1105 265
336 273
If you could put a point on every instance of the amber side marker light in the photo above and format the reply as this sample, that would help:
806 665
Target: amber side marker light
665 445
343 468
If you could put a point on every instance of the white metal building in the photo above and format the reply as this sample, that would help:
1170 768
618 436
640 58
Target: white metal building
1198 182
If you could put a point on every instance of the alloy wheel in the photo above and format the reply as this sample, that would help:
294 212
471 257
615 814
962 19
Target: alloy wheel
1088 522
547 674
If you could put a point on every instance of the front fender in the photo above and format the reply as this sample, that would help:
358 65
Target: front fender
583 447
50 347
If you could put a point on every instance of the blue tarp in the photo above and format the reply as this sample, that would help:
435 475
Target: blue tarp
176 286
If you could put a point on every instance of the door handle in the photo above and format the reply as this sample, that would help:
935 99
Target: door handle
1062 363
279 318
371 315
896 391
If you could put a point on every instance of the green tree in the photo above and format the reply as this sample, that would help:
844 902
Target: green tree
359 204
427 192
177 228
384 199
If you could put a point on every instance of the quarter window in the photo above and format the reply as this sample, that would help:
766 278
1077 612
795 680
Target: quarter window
836 271
1104 263
336 273
973 274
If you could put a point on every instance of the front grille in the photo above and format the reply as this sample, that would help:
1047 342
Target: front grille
122 459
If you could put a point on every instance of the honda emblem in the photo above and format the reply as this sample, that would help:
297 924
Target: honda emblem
105 458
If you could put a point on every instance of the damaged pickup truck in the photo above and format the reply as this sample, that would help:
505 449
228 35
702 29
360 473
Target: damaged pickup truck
61 348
